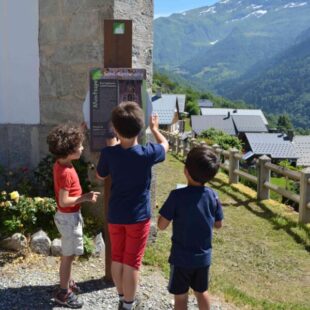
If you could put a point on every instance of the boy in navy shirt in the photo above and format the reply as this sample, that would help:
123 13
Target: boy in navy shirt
194 211
129 165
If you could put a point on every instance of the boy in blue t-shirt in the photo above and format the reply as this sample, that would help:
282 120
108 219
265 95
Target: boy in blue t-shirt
194 211
129 164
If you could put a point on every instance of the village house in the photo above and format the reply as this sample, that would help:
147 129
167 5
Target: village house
169 108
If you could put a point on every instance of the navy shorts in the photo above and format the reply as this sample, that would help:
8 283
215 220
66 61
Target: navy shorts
181 279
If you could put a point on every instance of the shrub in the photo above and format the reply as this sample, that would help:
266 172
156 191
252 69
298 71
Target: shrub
27 215
20 179
224 140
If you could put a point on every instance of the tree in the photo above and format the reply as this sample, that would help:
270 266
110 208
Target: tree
192 108
284 123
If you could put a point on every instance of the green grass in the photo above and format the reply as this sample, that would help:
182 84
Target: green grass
260 257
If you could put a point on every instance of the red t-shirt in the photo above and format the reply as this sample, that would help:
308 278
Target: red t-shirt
66 178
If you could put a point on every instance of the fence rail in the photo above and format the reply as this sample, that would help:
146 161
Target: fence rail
231 164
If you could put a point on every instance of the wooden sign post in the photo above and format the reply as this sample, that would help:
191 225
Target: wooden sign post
115 83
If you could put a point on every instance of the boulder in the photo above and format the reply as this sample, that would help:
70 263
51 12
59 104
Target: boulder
99 245
56 247
40 243
17 242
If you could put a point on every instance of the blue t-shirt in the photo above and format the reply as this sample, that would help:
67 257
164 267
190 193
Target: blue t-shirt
130 171
193 211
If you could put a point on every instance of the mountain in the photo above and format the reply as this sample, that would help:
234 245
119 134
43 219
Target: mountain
213 44
251 50
281 84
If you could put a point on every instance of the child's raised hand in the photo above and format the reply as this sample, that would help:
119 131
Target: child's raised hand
112 141
91 196
154 121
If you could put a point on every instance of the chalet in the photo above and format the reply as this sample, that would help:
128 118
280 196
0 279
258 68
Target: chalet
302 147
275 145
226 111
205 103
235 125
168 107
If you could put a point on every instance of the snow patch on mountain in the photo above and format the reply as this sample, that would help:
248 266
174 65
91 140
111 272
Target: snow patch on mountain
294 5
209 10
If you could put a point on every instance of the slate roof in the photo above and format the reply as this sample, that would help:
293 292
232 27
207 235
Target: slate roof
181 102
249 123
166 108
205 122
205 103
302 147
224 111
273 144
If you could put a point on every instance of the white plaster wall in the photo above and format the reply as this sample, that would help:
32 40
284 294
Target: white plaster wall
19 62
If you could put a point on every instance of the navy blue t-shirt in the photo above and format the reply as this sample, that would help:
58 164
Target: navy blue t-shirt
193 211
130 170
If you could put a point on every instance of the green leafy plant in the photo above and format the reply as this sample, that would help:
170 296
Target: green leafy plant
89 247
24 214
224 140
20 179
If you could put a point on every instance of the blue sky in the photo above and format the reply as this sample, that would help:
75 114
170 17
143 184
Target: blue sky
167 7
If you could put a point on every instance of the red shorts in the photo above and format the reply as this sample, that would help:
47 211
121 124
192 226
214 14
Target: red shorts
128 242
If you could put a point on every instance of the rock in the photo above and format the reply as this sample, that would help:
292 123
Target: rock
17 242
56 247
99 245
40 243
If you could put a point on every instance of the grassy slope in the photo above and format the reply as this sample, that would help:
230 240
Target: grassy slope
261 256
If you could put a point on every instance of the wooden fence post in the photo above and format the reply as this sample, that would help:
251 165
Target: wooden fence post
187 147
182 146
177 144
192 143
304 210
263 176
233 165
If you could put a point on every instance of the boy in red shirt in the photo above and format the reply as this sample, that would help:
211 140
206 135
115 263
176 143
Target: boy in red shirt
65 143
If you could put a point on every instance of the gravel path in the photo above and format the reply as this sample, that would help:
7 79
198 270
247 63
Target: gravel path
29 282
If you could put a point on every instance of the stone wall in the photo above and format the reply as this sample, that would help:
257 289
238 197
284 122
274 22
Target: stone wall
71 42
141 12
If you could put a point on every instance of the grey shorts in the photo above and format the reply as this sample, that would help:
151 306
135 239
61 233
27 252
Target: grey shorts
70 226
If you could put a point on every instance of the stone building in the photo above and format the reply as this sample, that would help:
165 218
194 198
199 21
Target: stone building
47 49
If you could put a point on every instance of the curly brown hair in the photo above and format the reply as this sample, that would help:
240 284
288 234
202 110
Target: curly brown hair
64 139
128 119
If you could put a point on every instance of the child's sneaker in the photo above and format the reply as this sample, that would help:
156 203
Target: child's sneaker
74 287
136 305
68 299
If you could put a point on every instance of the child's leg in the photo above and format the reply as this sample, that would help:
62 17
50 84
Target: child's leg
130 282
203 300
117 237
180 301
65 271
136 239
117 275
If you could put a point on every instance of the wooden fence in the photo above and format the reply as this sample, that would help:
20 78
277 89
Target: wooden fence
262 180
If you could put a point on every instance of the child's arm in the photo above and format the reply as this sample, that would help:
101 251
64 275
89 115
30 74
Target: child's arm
66 201
160 139
109 142
162 222
218 224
